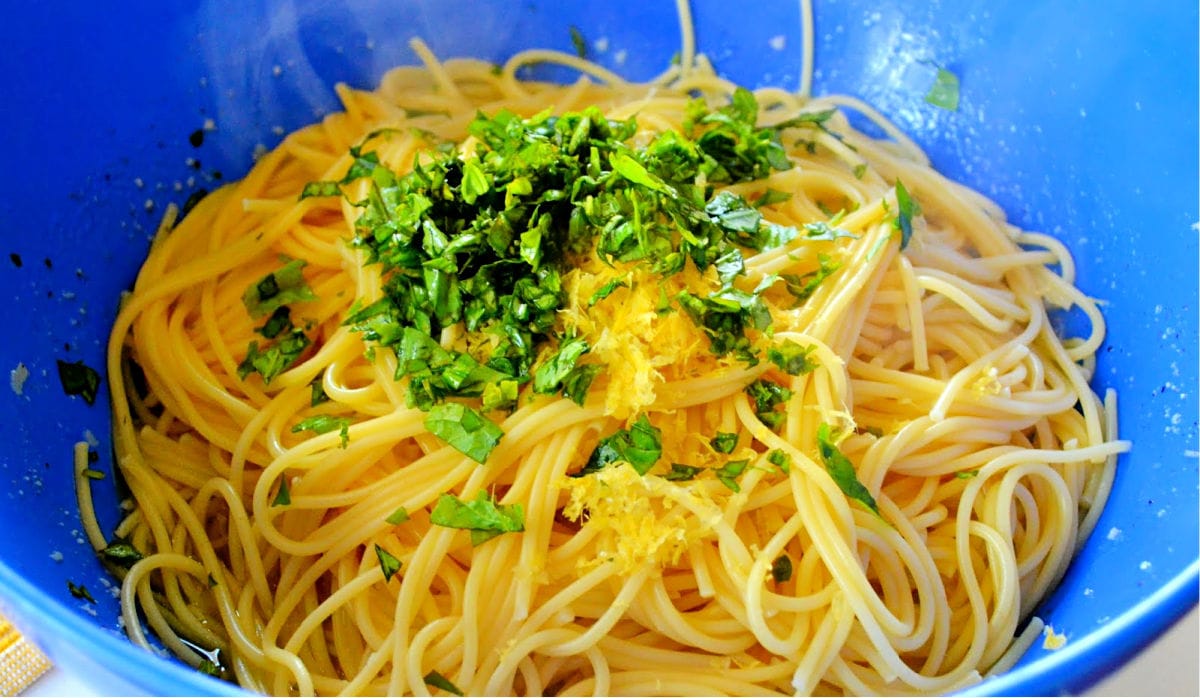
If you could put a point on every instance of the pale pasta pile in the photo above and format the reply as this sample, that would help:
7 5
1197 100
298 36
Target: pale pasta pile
307 560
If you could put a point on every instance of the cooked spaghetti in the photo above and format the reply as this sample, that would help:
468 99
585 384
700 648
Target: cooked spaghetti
494 386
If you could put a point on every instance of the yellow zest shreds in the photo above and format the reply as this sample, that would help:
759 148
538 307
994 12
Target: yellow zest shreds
640 518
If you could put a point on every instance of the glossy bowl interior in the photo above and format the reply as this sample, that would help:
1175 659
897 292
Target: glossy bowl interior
1080 119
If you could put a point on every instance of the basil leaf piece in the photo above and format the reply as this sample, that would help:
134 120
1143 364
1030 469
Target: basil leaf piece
802 286
729 473
768 395
606 290
433 678
320 189
318 391
121 552
682 473
209 667
279 322
792 358
465 429
79 379
482 516
397 517
323 424
79 591
284 496
388 563
281 287
724 442
550 375
907 209
781 569
275 358
780 459
640 446
842 470
579 380
967 474
944 91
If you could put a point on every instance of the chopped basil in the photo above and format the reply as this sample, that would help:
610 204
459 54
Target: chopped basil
121 552
580 50
680 472
280 287
318 189
780 459
465 429
729 473
397 517
79 379
274 358
606 290
209 667
388 563
802 286
79 591
279 322
433 678
781 569
944 91
907 209
549 377
577 382
318 391
640 446
967 474
842 470
768 395
482 516
724 442
792 358
323 424
283 497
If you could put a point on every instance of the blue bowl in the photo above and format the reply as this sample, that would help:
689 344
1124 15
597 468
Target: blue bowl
114 110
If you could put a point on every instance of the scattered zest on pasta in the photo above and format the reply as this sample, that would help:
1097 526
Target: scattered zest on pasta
492 386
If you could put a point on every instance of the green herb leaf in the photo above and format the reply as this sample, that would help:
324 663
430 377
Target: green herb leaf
944 92
397 517
482 516
729 473
323 424
606 290
79 591
275 358
550 375
579 380
792 358
121 552
433 678
780 459
772 196
682 473
279 322
283 497
781 569
823 230
967 474
388 563
318 390
465 429
281 287
907 209
79 379
580 50
842 470
802 286
768 395
640 446
209 667
724 442
317 189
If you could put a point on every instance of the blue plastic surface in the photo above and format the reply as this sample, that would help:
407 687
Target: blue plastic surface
1080 119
